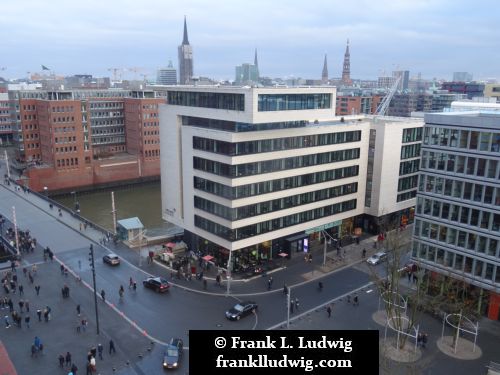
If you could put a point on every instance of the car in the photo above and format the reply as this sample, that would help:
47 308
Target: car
240 310
111 259
377 258
158 284
173 353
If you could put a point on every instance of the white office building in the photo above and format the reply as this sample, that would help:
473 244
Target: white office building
261 171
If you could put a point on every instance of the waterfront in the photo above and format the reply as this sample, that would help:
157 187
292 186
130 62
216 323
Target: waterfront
143 201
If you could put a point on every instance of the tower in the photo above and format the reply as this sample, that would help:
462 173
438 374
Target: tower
185 52
346 70
324 73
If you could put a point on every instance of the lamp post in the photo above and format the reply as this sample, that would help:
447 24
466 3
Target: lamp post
229 269
46 191
76 205
92 266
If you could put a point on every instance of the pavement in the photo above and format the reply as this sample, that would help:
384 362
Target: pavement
133 345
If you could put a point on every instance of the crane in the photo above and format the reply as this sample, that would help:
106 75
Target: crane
116 73
384 104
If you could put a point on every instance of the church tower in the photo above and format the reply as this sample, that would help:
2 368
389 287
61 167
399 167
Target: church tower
324 73
346 70
185 53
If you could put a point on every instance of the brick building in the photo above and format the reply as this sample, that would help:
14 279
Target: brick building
77 138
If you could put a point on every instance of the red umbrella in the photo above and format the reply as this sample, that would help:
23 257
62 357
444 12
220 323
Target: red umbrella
208 258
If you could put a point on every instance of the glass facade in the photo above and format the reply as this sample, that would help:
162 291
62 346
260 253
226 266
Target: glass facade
410 151
272 225
215 100
251 169
408 167
273 205
290 102
457 227
270 145
239 127
412 135
265 187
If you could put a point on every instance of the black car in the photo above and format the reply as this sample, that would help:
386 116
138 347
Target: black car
158 284
240 310
173 353
111 259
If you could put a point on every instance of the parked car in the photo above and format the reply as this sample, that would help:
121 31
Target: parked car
173 353
377 258
158 284
111 259
240 310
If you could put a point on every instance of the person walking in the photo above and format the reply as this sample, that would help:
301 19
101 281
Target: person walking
61 360
355 301
130 283
68 358
296 303
78 309
103 295
39 313
424 340
111 347
121 291
27 305
6 320
21 290
37 289
270 283
291 306
27 321
99 350
329 311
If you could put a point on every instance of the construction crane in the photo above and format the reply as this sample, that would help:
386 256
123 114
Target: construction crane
116 73
135 70
384 104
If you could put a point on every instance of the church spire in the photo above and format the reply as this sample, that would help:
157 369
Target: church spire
324 73
346 69
255 62
185 38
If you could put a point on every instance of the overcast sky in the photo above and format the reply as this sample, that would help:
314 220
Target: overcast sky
434 37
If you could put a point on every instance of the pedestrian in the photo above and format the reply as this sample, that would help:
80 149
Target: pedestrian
6 320
408 273
355 300
348 299
424 340
270 283
121 291
103 295
39 313
88 369
62 269
74 369
27 305
68 358
291 306
37 289
78 309
217 280
99 350
329 311
84 325
33 350
61 360
81 227
285 289
27 321
205 284
134 287
21 305
419 339
130 282
11 305
78 326
363 254
296 303
111 347
21 290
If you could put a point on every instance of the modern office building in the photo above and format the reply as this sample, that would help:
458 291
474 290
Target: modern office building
185 54
357 104
166 76
471 89
70 139
246 74
492 90
457 227
402 105
261 171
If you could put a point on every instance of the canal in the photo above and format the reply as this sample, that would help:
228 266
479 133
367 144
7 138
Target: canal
143 201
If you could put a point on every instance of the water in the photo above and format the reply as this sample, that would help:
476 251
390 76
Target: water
143 201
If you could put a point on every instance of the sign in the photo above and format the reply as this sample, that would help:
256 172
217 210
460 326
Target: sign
324 226
305 245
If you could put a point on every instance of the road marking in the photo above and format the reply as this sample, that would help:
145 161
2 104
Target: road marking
320 306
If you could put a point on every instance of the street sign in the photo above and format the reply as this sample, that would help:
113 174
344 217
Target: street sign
324 226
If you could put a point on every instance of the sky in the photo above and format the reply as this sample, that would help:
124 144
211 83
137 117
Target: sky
433 37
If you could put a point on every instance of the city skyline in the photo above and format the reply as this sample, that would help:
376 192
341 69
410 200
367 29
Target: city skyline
291 38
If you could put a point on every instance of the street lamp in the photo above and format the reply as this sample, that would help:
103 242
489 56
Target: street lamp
75 203
46 191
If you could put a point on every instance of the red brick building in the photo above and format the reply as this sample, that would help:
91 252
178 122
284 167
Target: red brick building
78 138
